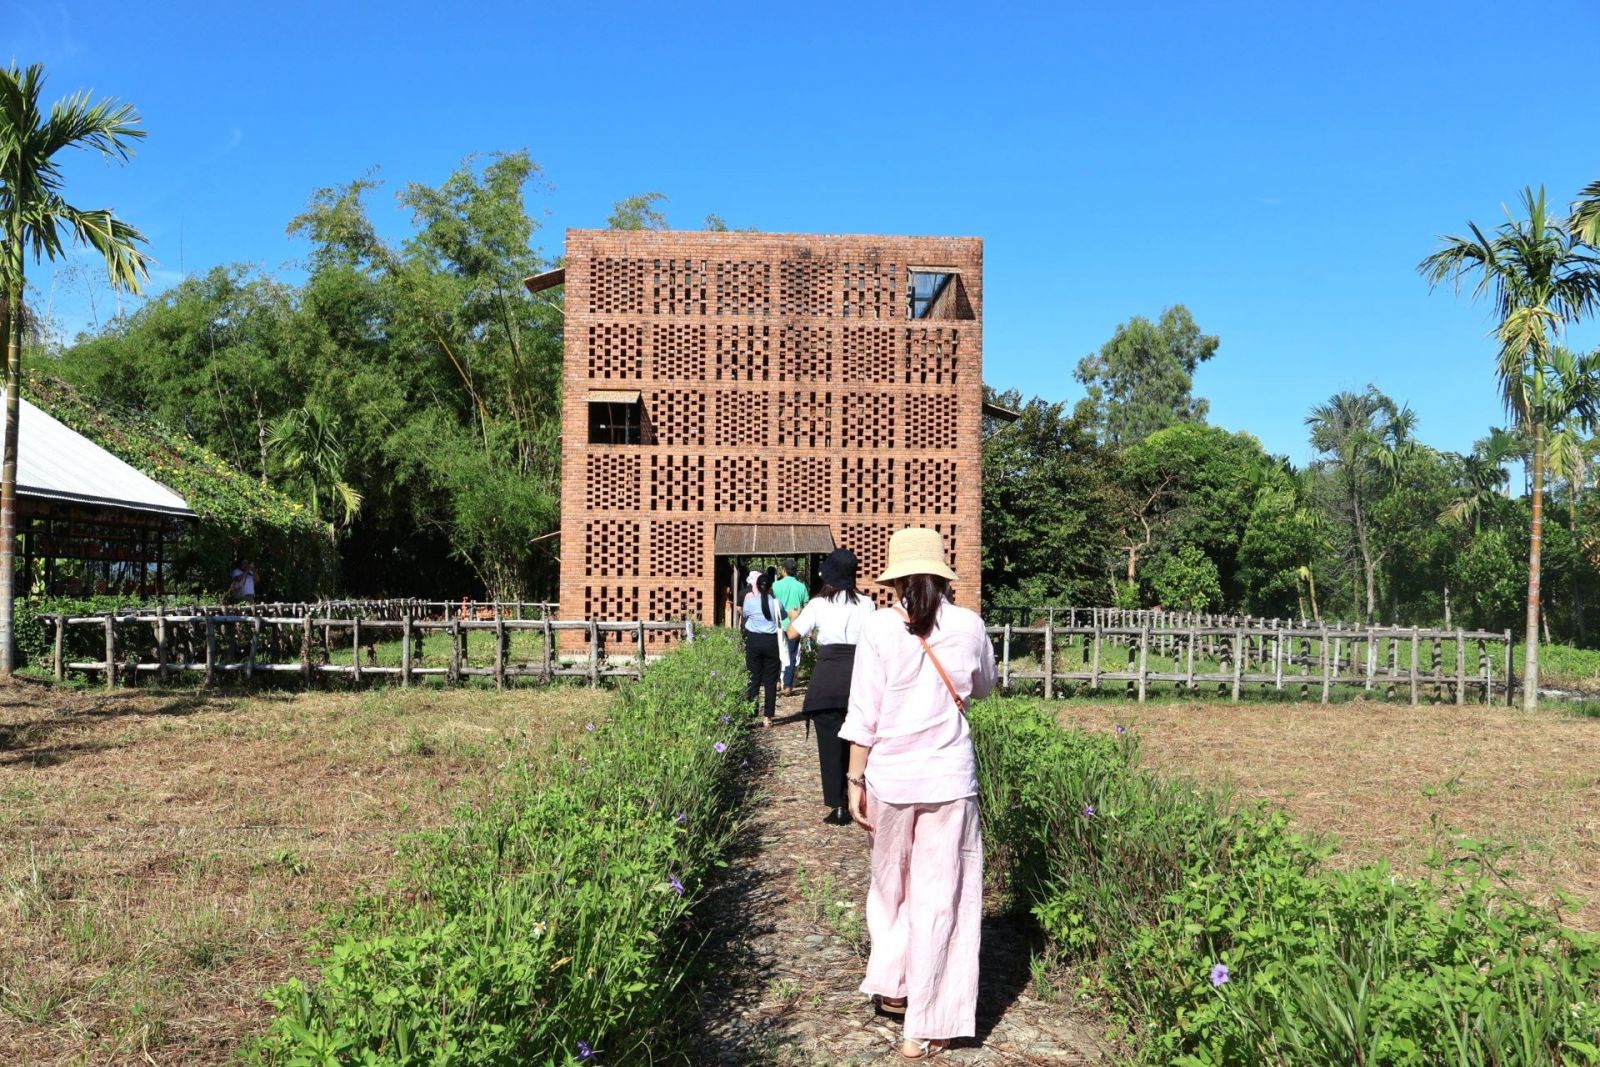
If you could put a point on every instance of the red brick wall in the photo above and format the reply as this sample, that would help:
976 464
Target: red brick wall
783 380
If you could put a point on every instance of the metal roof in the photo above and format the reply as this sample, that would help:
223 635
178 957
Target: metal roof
58 463
777 539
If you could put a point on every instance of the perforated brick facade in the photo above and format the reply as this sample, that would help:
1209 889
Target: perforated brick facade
782 379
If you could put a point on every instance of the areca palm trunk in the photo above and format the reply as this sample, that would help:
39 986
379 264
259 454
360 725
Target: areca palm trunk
8 472
1530 650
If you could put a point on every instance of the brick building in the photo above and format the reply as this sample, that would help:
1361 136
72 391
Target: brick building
739 396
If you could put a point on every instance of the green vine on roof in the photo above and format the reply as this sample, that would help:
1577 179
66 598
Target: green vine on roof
236 515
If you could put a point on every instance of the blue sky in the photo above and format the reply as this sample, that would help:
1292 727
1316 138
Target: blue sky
1278 167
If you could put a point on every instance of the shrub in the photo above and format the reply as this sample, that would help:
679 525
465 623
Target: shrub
35 636
1219 938
552 921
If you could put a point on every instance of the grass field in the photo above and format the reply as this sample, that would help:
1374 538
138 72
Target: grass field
1392 782
163 856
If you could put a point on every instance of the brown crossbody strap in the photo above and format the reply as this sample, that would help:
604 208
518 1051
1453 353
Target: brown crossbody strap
962 704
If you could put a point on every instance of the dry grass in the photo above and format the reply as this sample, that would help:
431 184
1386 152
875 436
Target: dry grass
163 856
1393 781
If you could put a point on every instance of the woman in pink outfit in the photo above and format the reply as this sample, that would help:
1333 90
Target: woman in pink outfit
914 785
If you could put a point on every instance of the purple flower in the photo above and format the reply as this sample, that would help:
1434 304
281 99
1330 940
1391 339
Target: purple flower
590 727
584 1051
1088 809
680 818
720 747
1121 729
677 886
1219 975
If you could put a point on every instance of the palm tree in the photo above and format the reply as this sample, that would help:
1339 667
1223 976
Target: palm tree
1366 439
35 218
1540 279
1483 476
1585 221
306 444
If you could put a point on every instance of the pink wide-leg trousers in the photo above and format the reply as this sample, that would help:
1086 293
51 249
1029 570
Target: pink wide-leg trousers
925 913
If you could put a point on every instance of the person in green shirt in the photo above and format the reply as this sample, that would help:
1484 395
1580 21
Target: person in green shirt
791 593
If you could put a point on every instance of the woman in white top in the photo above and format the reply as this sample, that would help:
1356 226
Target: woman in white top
914 783
835 616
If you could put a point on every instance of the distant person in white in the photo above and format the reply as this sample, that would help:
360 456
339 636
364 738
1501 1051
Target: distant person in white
835 617
243 589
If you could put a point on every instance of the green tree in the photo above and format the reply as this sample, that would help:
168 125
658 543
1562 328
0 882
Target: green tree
1359 439
640 213
1143 378
1189 484
1046 494
37 219
1585 221
1187 580
1540 279
307 446
1284 542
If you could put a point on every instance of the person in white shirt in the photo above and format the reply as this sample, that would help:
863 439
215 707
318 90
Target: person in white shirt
835 616
242 589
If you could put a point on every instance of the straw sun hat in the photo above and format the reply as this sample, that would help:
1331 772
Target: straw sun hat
916 551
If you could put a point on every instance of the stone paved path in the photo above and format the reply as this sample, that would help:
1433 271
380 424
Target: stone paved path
788 944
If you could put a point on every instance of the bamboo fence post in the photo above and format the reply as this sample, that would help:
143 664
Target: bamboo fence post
1144 660
1277 658
1372 658
1049 657
1189 658
61 648
111 651
499 650
255 644
305 649
594 653
455 650
688 630
1005 657
405 650
1511 676
1415 653
641 649
355 649
547 663
1238 666
1461 668
1327 666
161 644
1094 665
211 651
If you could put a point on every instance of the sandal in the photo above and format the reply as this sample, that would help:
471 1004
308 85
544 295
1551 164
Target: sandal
922 1050
890 1005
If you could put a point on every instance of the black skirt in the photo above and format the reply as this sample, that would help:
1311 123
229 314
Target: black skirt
829 687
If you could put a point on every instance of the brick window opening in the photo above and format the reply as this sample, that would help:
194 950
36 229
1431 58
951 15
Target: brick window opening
938 294
615 418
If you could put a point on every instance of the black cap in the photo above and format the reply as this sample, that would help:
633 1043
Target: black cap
838 568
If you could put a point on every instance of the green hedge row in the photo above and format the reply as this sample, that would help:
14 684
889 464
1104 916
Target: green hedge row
1217 936
550 927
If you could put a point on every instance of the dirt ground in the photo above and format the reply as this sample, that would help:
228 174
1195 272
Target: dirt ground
162 857
1394 781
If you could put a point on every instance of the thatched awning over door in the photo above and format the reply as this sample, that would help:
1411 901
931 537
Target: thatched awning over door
761 539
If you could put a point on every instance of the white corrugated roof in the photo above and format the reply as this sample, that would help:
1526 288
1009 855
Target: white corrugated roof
58 463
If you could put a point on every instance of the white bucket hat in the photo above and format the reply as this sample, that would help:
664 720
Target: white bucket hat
916 551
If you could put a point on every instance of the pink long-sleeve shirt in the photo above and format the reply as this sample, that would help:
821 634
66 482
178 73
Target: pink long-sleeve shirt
900 708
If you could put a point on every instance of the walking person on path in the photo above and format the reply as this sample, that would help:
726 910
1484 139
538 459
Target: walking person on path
835 616
913 784
763 616
791 593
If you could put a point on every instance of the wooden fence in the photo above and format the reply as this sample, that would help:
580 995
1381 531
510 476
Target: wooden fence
218 642
1055 651
1101 646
